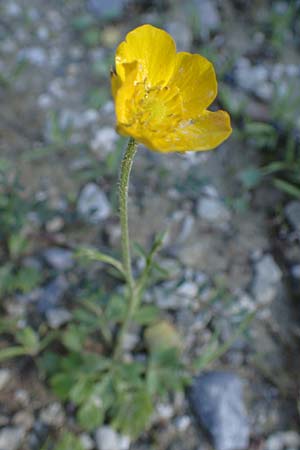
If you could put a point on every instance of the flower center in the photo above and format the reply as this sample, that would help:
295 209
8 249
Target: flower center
157 107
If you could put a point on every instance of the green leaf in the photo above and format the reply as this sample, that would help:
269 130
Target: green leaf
95 255
82 22
146 315
165 373
71 362
133 412
11 352
92 37
251 177
90 415
92 362
128 373
214 351
287 187
69 441
26 279
73 338
80 391
6 277
105 390
17 244
29 339
116 309
49 362
61 384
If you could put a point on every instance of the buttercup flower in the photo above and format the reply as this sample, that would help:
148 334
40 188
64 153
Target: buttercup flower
161 96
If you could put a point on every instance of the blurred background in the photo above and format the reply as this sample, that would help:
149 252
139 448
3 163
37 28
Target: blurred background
232 215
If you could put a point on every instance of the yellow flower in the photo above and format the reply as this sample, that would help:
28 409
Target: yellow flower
161 96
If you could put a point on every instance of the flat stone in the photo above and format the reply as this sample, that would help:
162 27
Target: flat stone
56 317
268 269
59 258
164 412
108 439
53 415
106 8
213 210
86 441
104 141
24 419
283 440
266 279
292 213
295 271
217 401
5 376
209 17
11 438
52 294
182 35
35 55
93 205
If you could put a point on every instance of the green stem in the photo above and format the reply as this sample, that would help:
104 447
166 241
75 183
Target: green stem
123 199
12 352
125 242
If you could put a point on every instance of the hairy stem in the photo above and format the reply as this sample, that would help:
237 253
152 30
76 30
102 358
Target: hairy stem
125 241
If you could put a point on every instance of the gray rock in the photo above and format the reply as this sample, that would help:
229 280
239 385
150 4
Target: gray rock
295 271
53 415
106 8
35 55
213 210
11 438
268 269
292 213
254 78
108 439
182 35
93 205
104 141
163 412
283 440
217 401
209 17
51 295
130 341
266 280
12 9
167 297
56 317
259 74
59 258
5 375
22 398
24 419
86 441
55 224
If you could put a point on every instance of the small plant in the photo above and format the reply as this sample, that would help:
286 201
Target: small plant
104 379
14 240
278 142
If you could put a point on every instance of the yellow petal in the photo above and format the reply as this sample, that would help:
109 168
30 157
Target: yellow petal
115 84
195 77
206 132
155 51
124 94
